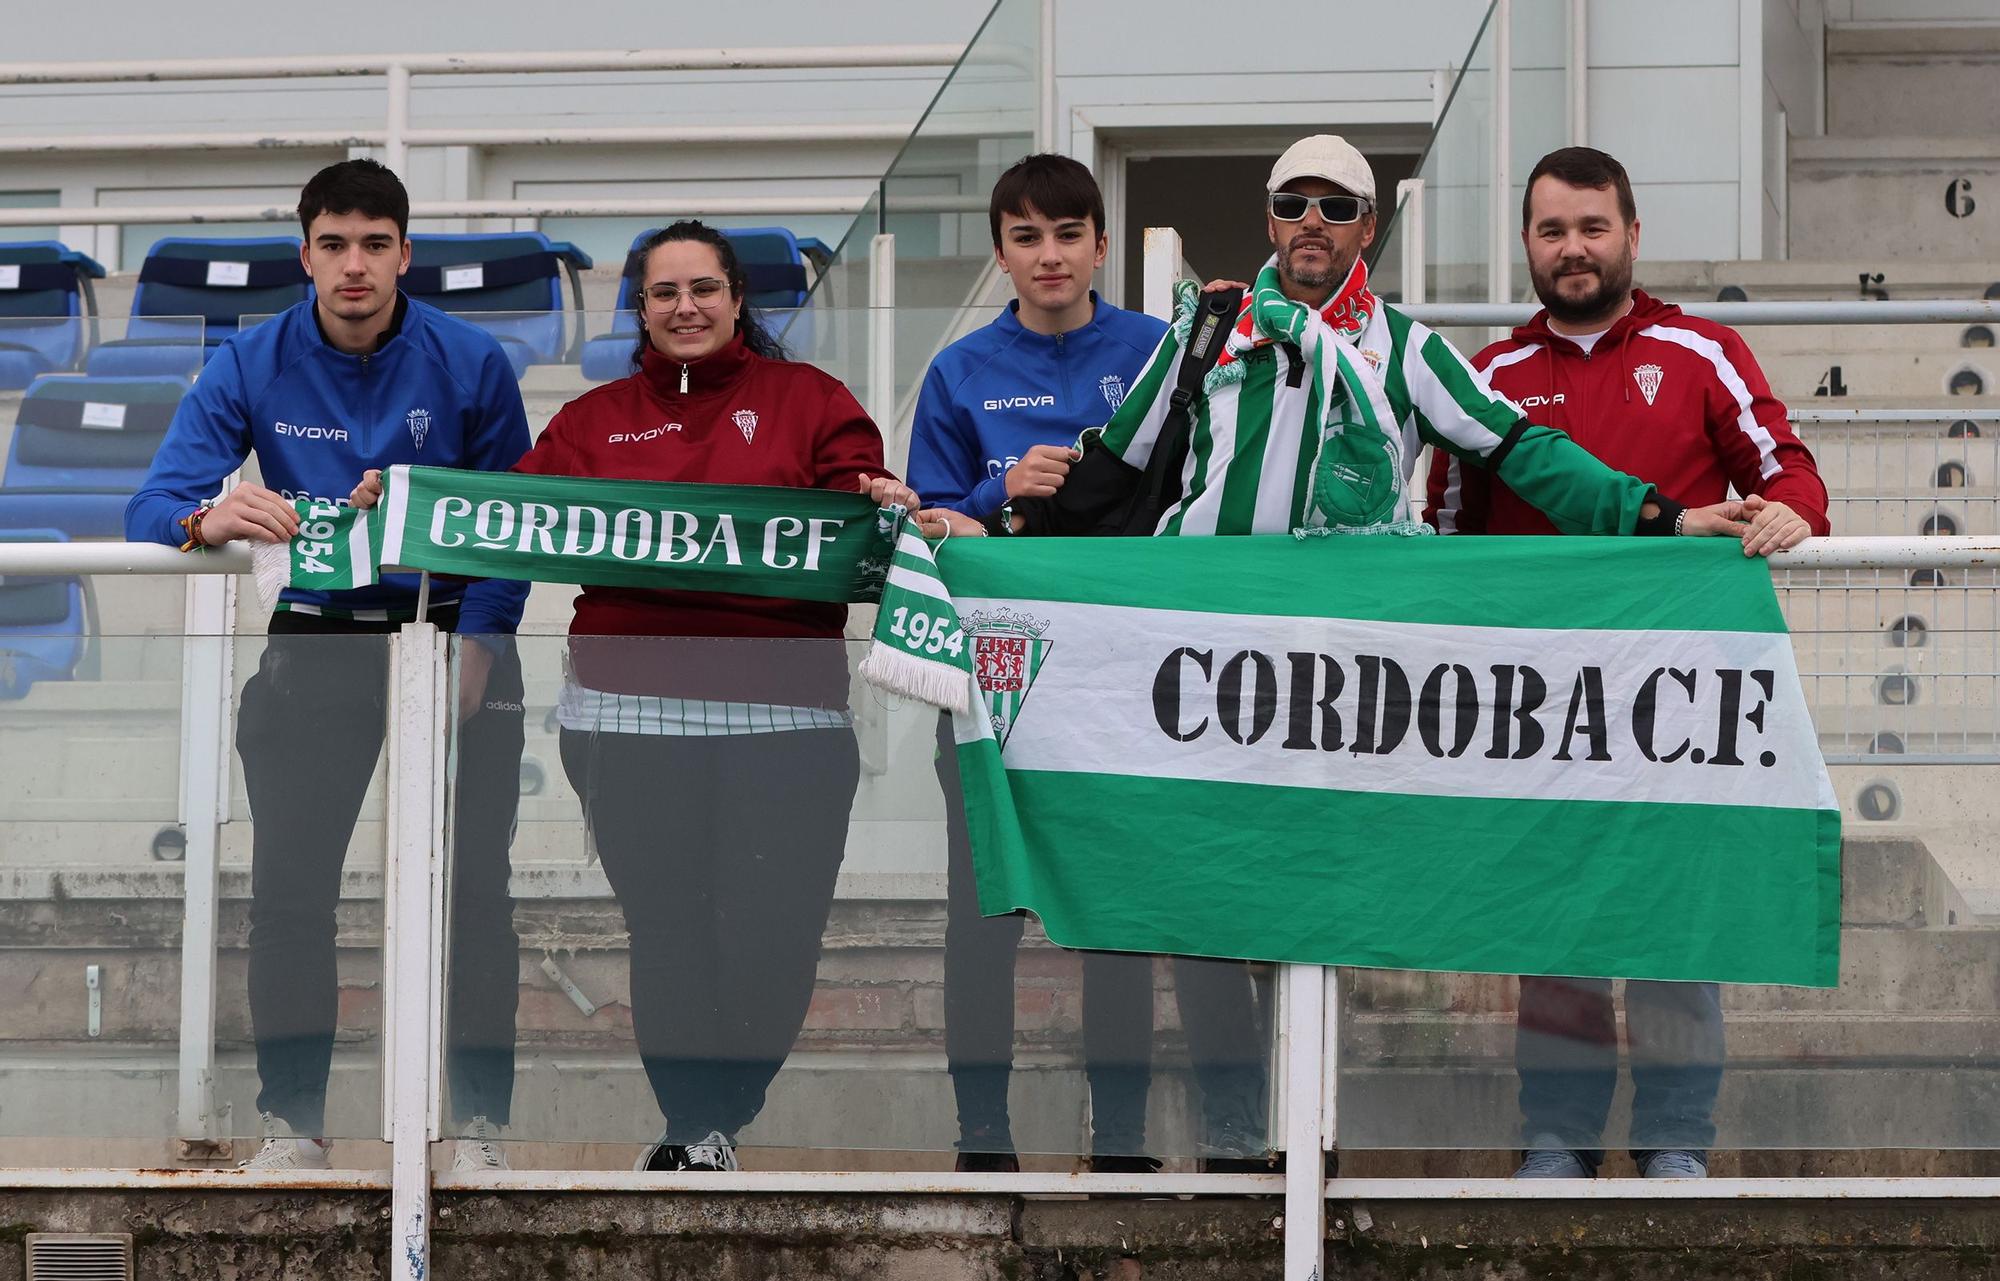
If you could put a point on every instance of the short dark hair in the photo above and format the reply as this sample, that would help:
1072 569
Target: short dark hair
1050 185
1583 167
366 187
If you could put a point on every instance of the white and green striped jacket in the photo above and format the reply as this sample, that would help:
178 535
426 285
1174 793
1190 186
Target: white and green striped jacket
1327 439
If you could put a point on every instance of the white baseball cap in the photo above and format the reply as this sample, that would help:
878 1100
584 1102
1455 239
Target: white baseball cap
1328 156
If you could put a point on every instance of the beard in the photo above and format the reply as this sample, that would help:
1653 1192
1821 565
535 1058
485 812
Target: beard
1310 278
1614 282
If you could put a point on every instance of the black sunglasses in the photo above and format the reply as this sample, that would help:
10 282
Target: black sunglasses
1288 206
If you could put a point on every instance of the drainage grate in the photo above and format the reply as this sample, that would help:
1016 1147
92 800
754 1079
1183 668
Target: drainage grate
79 1256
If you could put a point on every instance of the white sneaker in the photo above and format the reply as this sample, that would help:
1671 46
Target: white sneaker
478 1148
715 1152
284 1150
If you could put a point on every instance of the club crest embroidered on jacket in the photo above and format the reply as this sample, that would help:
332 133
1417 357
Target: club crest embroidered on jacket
1648 377
746 422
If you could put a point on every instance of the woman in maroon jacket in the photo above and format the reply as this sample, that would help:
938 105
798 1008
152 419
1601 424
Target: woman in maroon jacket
716 772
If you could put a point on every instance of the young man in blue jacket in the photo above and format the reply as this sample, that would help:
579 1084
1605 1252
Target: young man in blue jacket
357 376
996 417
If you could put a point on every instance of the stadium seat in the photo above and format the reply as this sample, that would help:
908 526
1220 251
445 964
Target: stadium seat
217 282
42 622
44 294
81 448
509 272
773 259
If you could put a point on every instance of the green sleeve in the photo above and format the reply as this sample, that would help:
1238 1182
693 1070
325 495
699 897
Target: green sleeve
1579 494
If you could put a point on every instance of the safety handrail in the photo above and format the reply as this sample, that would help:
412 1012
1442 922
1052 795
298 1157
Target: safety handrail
1883 552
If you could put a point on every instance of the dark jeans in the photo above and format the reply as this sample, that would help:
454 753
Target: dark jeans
723 853
1566 1051
1227 1024
309 731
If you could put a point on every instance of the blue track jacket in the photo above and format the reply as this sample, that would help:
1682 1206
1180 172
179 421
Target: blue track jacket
438 392
992 395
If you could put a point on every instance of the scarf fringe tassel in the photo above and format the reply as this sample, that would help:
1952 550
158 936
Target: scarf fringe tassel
939 684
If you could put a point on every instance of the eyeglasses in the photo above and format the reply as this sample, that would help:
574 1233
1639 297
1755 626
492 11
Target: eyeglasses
1288 206
704 291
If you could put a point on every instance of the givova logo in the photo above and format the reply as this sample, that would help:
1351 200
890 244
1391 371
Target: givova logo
312 433
635 437
1020 402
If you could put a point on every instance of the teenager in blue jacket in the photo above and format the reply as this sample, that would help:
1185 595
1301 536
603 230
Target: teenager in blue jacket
995 420
357 376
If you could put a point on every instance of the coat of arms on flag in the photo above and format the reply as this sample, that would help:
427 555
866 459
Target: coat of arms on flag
746 422
1007 652
1648 377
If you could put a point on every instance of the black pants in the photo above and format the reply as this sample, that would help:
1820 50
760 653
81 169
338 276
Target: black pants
1226 1022
723 853
309 732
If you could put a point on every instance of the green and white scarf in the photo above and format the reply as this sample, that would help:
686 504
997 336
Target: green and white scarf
1266 457
754 540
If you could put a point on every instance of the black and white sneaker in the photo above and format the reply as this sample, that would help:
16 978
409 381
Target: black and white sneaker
716 1152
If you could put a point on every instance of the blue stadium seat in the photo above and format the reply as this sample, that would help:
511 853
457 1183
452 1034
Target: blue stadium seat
216 281
514 271
42 623
81 448
773 259
44 294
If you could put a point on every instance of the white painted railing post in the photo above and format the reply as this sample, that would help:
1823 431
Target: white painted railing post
882 331
1303 1080
397 126
1045 65
1158 270
412 958
1410 198
1499 271
207 664
1577 81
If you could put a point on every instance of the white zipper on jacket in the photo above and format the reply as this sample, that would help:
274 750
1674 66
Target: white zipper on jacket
684 380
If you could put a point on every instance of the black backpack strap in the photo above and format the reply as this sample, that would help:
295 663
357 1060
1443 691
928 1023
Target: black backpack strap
1214 317
1103 493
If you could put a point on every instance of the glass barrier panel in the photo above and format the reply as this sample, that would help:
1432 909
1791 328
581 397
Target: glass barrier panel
730 894
84 404
934 196
1902 673
103 762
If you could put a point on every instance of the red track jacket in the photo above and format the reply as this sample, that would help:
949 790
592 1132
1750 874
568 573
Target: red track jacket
1669 398
743 420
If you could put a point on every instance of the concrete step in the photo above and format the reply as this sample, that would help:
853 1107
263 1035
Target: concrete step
1934 81
1804 276
1941 1104
1837 342
1807 380
1848 193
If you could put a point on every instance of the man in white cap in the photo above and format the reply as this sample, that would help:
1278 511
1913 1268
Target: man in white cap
1315 411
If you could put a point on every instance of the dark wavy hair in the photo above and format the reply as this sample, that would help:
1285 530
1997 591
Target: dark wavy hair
367 187
756 335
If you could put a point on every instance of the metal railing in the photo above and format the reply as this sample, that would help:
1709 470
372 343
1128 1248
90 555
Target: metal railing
412 1018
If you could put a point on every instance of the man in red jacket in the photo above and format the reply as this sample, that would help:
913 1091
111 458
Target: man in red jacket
1679 402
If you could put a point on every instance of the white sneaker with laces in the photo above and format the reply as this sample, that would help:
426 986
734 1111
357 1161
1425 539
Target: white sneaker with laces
284 1150
715 1152
478 1148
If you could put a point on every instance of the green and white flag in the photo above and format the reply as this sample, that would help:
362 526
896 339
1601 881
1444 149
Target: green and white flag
1523 756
